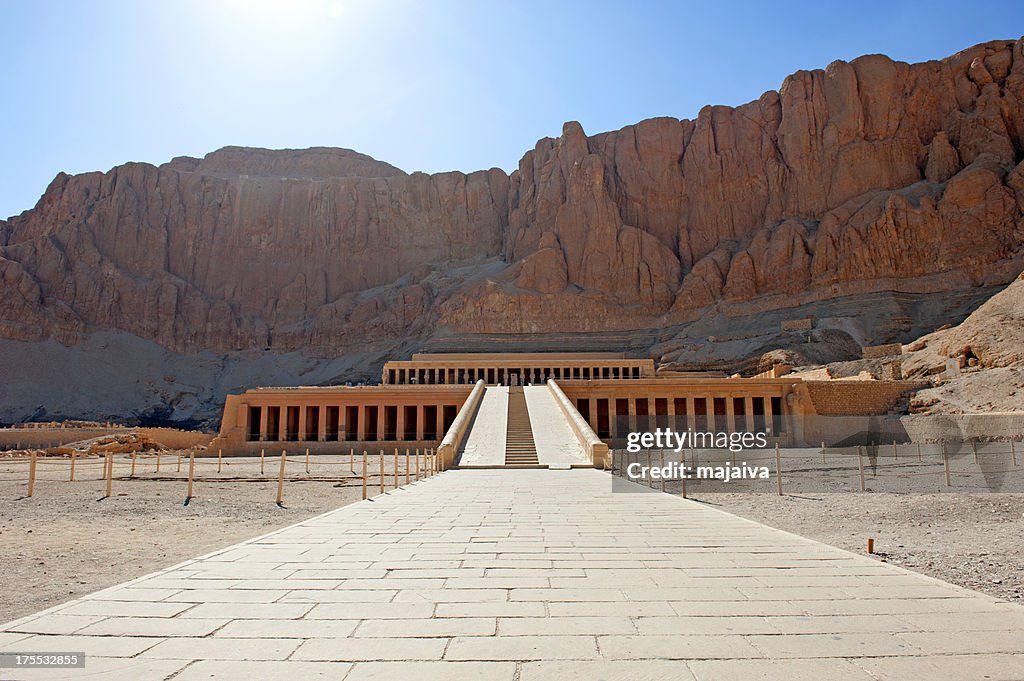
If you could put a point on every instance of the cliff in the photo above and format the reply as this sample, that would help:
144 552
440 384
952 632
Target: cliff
867 191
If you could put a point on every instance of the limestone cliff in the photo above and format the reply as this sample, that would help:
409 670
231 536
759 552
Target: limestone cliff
868 178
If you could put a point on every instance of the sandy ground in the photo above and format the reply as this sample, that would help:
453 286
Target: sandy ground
67 541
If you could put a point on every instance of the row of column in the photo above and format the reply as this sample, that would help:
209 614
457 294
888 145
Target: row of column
505 375
325 423
747 418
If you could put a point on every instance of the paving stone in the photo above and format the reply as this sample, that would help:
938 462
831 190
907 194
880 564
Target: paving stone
427 628
522 648
555 626
433 671
223 649
490 609
349 650
287 629
161 627
676 647
293 670
779 670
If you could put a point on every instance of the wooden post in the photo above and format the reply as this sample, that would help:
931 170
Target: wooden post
871 544
72 478
662 470
110 472
263 455
1013 451
396 467
895 454
352 459
919 452
191 472
380 470
407 465
682 470
945 462
417 462
778 469
823 453
307 460
179 460
650 478
364 474
220 457
133 465
974 446
280 477
860 465
32 473
158 461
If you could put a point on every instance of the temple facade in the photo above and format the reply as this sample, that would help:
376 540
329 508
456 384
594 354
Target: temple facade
419 401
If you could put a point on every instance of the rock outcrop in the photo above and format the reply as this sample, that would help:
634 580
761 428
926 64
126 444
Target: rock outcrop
868 176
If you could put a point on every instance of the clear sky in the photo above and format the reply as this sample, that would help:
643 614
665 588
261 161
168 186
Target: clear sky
426 85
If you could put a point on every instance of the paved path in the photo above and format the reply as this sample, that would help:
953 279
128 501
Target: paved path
531 575
485 443
556 443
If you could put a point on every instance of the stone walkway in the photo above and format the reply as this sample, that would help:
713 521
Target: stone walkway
485 442
530 575
556 444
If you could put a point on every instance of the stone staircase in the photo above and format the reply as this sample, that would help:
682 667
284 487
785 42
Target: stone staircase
520 449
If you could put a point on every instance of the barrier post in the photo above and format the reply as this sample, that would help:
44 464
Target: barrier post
860 465
307 460
417 464
220 456
263 455
191 472
974 446
823 453
1013 451
945 462
72 478
919 452
179 460
682 470
662 470
133 465
396 467
778 469
895 454
364 474
110 472
352 459
431 463
380 469
32 473
407 465
158 461
280 477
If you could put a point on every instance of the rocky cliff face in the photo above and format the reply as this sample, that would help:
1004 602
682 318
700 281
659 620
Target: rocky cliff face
866 177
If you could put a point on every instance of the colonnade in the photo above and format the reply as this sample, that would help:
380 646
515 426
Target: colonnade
363 422
507 375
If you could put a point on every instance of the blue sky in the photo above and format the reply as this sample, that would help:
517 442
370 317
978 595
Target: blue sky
434 85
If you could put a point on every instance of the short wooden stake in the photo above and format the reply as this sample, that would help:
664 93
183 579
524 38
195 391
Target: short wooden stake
307 460
945 463
352 459
396 467
650 478
179 460
895 454
380 470
974 446
662 470
1013 452
364 474
778 469
158 461
860 466
822 452
220 459
191 472
919 452
682 471
263 455
133 465
407 465
32 473
417 463
871 545
72 478
110 472
280 477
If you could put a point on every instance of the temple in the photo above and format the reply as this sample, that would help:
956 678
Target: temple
538 409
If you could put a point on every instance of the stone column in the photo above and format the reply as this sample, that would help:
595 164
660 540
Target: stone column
400 423
691 417
769 422
361 422
592 413
263 422
730 414
322 424
420 412
282 425
439 429
381 418
303 409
